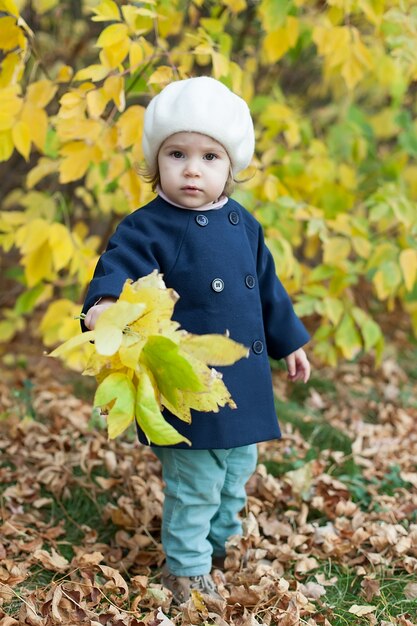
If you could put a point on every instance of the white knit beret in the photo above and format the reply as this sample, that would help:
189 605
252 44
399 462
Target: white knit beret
202 105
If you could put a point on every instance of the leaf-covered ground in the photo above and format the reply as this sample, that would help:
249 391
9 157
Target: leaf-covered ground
330 527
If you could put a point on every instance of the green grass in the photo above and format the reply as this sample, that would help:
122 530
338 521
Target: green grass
347 591
315 429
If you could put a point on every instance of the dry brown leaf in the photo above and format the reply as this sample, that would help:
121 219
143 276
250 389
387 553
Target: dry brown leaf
56 599
360 610
410 591
370 588
53 561
312 590
87 559
306 564
8 621
116 581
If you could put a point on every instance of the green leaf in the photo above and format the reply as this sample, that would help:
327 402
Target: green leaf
26 302
150 418
370 330
170 370
117 392
72 344
347 337
274 13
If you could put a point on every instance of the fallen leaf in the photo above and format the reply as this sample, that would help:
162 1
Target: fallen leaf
410 591
53 561
359 610
312 590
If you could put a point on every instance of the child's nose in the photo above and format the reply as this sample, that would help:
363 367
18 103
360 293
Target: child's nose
192 167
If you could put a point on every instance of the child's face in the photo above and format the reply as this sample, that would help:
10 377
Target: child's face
193 169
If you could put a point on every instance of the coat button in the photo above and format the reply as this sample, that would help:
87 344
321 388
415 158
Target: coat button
202 220
250 281
234 218
258 347
217 284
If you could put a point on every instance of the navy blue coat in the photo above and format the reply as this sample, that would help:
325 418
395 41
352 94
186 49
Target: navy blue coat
218 263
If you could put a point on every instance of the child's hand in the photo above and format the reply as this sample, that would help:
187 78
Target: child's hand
298 366
94 313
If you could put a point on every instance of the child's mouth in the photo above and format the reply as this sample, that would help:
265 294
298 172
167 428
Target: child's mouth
190 189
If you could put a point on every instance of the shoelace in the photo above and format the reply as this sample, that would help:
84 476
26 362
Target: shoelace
203 583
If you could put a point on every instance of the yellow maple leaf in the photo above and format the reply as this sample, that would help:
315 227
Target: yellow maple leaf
62 245
221 64
129 125
113 55
159 305
38 265
108 333
6 145
21 138
8 6
213 349
77 157
43 168
161 76
114 88
136 55
37 121
117 392
408 264
97 100
11 36
279 41
31 235
41 92
106 11
94 72
11 104
336 251
111 35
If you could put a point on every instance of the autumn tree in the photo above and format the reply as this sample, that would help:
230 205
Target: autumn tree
331 88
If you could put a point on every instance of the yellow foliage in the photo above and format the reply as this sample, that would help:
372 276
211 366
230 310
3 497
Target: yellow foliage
6 145
335 136
21 138
161 76
279 41
408 264
143 360
129 126
111 35
235 5
8 6
43 168
77 156
344 52
105 11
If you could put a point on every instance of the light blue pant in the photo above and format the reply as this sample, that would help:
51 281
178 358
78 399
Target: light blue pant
204 492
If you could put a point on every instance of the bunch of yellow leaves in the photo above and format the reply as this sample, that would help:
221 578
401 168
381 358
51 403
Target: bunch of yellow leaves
144 361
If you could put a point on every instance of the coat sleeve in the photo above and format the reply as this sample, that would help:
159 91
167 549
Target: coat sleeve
130 253
284 331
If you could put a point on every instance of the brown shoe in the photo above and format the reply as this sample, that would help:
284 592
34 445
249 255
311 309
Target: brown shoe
182 586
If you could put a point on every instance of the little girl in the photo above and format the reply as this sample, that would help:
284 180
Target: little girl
197 136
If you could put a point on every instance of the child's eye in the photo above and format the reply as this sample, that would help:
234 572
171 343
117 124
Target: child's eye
210 156
177 154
